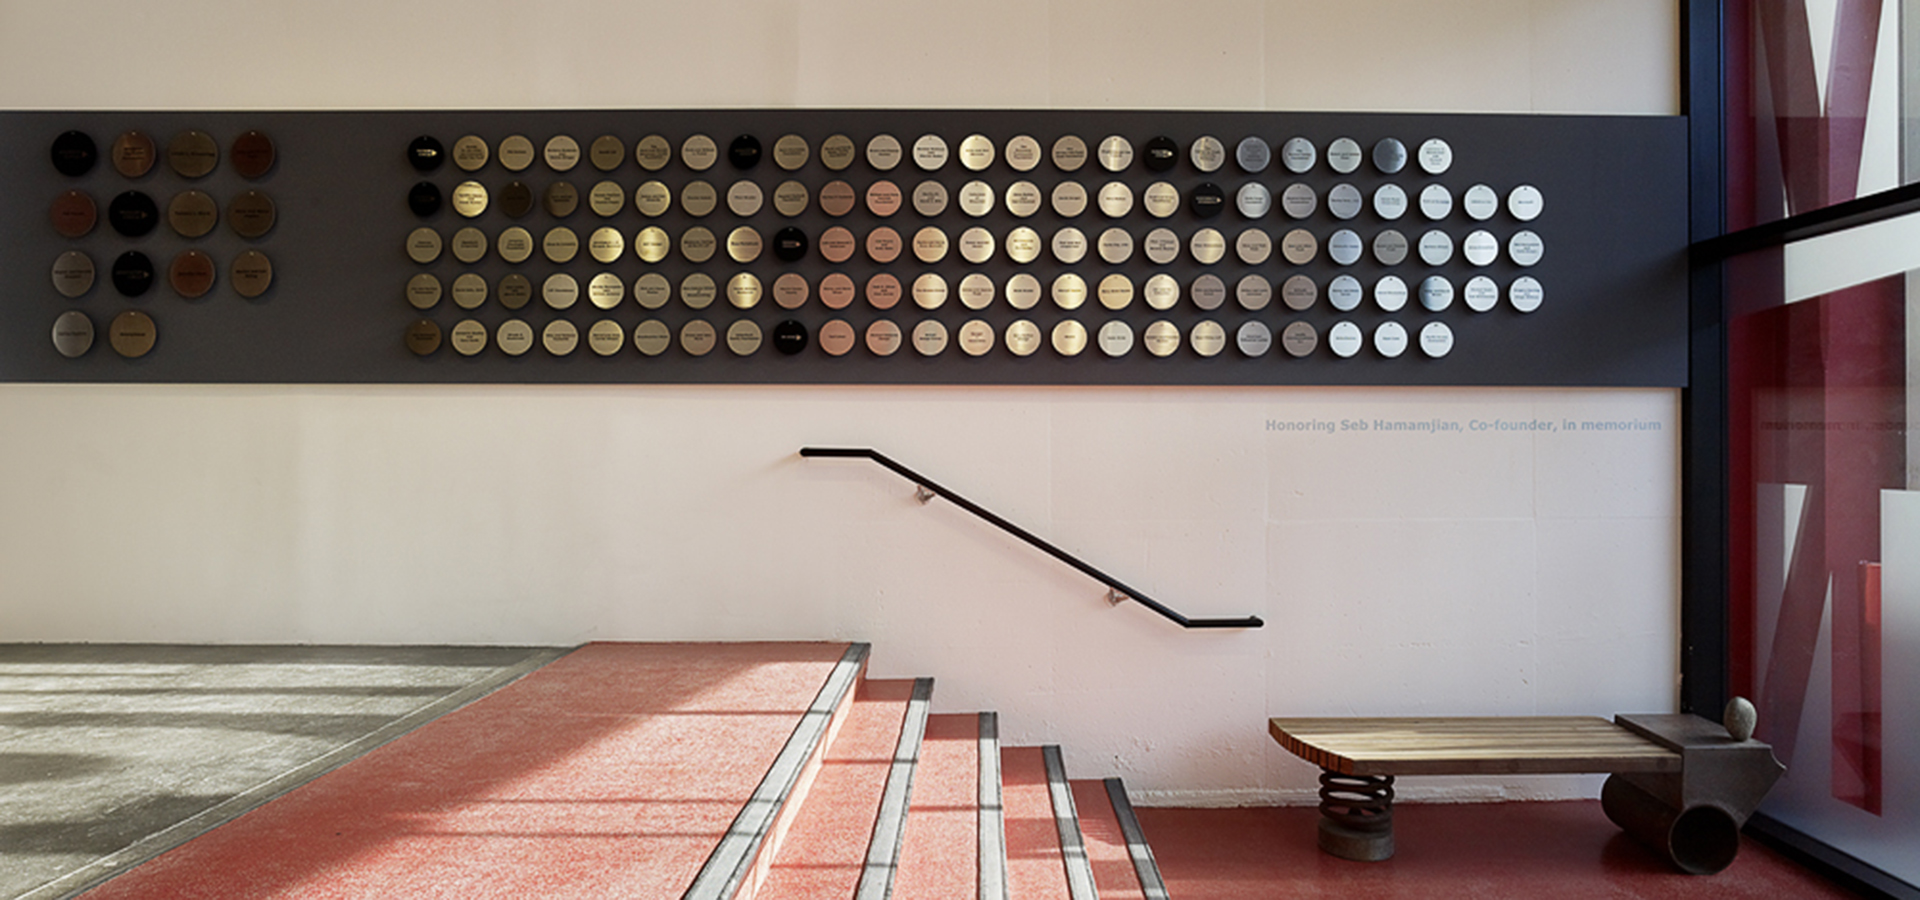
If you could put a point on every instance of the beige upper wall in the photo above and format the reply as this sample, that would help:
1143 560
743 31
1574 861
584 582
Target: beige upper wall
1547 56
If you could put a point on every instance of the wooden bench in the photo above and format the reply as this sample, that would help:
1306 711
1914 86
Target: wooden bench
1679 783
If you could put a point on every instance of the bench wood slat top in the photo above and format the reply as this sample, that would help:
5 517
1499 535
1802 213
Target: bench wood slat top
1495 745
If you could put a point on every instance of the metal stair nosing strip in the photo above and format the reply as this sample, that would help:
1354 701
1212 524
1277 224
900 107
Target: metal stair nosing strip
992 814
890 825
1144 867
733 859
1073 847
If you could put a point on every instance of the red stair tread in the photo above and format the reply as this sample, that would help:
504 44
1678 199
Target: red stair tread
1113 870
1035 866
827 843
614 771
940 853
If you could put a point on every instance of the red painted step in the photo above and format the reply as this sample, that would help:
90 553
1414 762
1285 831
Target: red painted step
614 771
1036 868
827 843
1106 845
939 857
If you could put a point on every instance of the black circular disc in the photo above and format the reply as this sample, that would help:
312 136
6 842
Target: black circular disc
1162 153
424 199
790 244
789 337
132 273
133 214
516 199
425 153
74 153
744 152
1206 200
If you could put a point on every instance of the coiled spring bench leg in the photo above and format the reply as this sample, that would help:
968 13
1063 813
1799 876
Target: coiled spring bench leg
1356 816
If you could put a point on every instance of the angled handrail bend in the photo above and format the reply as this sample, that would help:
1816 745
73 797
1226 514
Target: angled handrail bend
1118 590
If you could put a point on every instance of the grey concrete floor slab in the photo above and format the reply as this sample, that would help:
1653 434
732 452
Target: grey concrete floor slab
113 753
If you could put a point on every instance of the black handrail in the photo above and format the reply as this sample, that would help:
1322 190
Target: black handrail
1120 590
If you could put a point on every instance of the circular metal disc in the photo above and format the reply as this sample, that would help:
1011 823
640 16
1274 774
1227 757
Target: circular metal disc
1299 292
1253 200
1023 153
132 274
469 198
1069 199
470 153
607 153
424 199
1345 339
1389 201
1525 248
560 199
133 214
1069 337
929 291
1115 291
1390 293
191 274
837 244
1023 337
560 337
1482 293
790 152
251 273
469 291
131 334
652 337
1389 155
423 245
883 198
1390 339
837 337
1525 294
1436 202
976 152
837 152
1253 246
1208 155
699 152
744 291
72 334
133 154
1162 245
1023 291
1390 247
1207 246
1298 201
789 244
192 154
560 291
515 244
1436 339
1298 155
1436 293
930 198
74 214
651 152
1480 248
1069 245
1069 153
251 214
883 245
1162 339
468 337
1344 247
560 245
516 290
930 152
1253 292
883 338
604 290
1481 202
1344 293
976 198
1115 339
699 198
790 198
1161 200
606 198
1299 246
252 153
652 244
1208 292
930 245
1436 248
1525 202
698 244
1160 153
976 245
1116 245
425 153
1023 245
744 337
1208 338
1115 153
423 337
516 199
516 153
929 337
789 337
883 152
561 153
1069 291
1344 155
976 291
976 338
837 198
515 337
1299 339
1345 201
1253 338
1435 156
652 291
698 291
790 290
1162 291
1115 199
698 337
1252 154
744 198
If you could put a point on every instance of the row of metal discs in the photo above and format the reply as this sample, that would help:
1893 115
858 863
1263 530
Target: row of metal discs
191 274
929 337
1068 245
1068 199
1069 291
190 214
929 152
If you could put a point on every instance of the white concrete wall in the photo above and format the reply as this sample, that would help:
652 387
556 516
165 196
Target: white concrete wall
1482 572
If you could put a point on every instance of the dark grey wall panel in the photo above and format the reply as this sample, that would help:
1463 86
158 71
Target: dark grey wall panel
1614 229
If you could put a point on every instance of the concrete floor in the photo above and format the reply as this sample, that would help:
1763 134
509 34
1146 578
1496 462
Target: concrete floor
113 753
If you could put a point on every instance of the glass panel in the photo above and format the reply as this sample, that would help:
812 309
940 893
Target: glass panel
1817 104
1825 531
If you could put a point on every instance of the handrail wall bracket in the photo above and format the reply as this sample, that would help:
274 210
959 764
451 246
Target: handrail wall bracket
925 489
